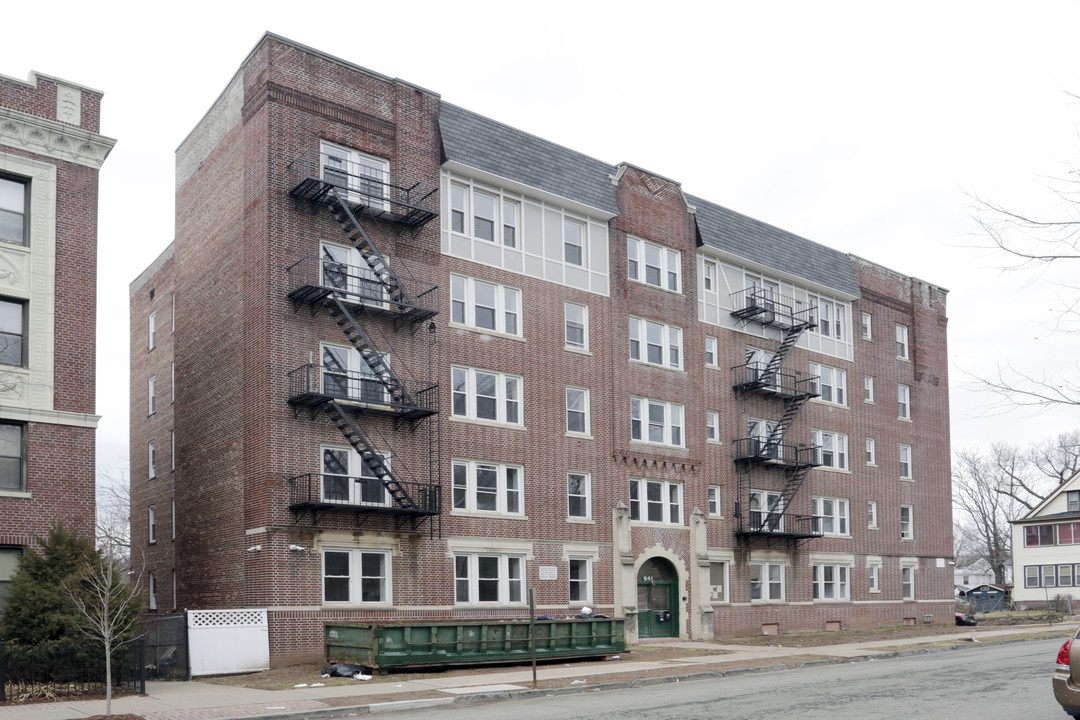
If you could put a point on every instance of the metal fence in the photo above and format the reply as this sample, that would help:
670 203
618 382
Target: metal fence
166 642
67 668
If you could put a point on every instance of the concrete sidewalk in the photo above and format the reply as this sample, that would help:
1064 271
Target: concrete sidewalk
194 700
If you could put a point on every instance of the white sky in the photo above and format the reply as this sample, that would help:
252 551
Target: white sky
859 125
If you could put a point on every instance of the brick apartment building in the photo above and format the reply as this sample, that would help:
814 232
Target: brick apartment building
50 154
405 362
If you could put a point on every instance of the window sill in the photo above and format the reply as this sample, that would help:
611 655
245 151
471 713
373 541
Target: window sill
768 602
578 351
904 479
904 419
873 465
832 601
655 287
646 443
712 367
826 468
903 359
486 514
714 442
486 423
834 536
829 403
872 527
869 402
580 520
15 494
484 331
579 436
655 524
910 540
645 363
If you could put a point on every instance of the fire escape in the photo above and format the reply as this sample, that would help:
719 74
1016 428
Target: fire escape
372 301
765 513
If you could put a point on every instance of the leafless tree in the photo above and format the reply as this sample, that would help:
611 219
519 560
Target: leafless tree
113 515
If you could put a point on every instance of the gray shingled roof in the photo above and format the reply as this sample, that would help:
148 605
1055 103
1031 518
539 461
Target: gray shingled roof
499 149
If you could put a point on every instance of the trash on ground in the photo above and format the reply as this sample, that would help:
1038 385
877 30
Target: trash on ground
300 685
615 657
578 682
358 672
318 684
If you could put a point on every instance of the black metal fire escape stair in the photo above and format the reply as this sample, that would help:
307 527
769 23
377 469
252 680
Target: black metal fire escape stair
399 394
372 459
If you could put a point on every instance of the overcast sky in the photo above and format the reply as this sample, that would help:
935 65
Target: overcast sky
860 125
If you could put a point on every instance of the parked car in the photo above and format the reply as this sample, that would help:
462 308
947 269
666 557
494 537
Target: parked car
964 619
1067 676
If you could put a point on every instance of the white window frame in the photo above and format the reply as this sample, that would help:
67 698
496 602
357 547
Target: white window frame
905 456
712 351
903 401
907 581
903 348
577 404
151 459
576 315
172 382
459 209
508 491
907 523
509 590
581 247
362 170
151 329
584 495
511 222
643 423
831 516
668 264
584 584
831 318
669 505
463 389
355 470
830 449
151 590
868 389
1072 500
871 515
712 426
770 577
867 326
643 339
151 395
831 582
762 504
172 519
831 384
713 501
151 524
355 579
873 573
172 448
871 452
506 310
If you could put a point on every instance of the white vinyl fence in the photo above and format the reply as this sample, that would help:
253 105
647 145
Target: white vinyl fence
228 641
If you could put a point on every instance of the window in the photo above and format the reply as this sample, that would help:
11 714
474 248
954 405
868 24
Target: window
871 452
495 579
172 382
13 211
487 487
574 242
831 385
830 319
151 524
9 564
172 319
717 582
868 389
577 325
152 331
580 578
361 177
830 516
871 514
830 449
349 273
907 582
1072 500
480 395
712 356
12 457
484 215
831 582
172 520
151 591
758 368
151 459
906 530
655 343
12 333
656 501
1065 575
1049 578
485 306
905 462
712 426
867 327
656 422
714 501
510 222
172 445
151 396
1035 535
902 342
578 495
1031 576
356 577
766 512
873 572
349 479
766 581
903 401
459 208
1069 534
577 411
654 265
758 433
347 374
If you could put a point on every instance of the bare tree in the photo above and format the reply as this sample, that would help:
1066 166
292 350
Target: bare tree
113 515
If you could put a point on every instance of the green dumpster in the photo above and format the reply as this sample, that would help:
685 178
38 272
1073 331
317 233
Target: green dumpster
383 646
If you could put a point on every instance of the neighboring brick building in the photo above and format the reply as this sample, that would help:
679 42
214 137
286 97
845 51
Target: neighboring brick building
50 154
425 361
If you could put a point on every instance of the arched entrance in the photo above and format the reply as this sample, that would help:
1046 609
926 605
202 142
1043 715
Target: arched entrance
658 599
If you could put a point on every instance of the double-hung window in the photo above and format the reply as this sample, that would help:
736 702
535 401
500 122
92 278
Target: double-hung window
903 401
712 426
511 221
361 178
151 460
766 581
907 530
902 342
654 264
356 577
657 422
12 332
830 449
12 457
1072 500
868 389
831 383
483 395
151 395
831 582
577 411
867 327
830 516
907 582
488 487
574 235
871 514
1069 533
830 319
13 211
713 504
580 579
766 511
1036 535
485 306
151 524
151 331
459 207
484 206
871 452
655 343
350 479
489 579
576 319
873 573
578 495
712 354
656 501
905 462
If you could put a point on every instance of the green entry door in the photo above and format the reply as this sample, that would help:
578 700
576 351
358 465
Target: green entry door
658 607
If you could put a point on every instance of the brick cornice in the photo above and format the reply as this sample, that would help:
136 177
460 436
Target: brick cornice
271 91
889 302
647 461
53 139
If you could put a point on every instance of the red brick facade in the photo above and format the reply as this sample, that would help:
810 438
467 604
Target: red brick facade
238 335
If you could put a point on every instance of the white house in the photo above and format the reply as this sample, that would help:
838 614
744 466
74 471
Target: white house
1046 547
